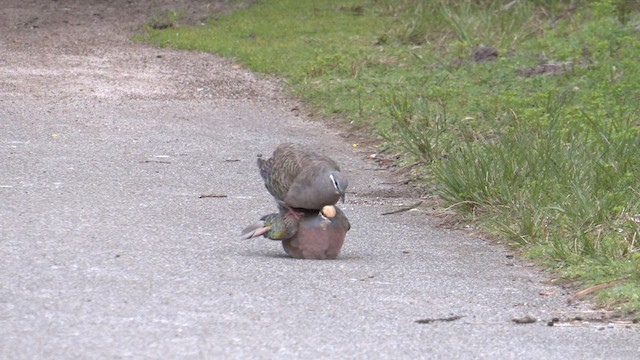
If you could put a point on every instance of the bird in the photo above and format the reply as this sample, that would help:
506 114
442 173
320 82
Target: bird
319 237
315 235
299 178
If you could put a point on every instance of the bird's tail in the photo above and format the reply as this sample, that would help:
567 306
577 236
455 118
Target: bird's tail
254 230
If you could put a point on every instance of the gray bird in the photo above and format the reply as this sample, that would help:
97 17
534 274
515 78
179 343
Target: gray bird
298 177
315 235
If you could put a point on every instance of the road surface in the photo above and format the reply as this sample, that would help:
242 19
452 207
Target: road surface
109 251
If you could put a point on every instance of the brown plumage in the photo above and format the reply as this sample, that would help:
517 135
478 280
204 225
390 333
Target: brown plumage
318 237
315 235
298 177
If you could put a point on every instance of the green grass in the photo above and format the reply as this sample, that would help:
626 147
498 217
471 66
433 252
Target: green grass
541 146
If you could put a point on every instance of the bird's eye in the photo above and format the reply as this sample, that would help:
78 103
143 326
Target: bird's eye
335 182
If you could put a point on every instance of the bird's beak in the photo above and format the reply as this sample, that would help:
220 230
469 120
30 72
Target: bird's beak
342 197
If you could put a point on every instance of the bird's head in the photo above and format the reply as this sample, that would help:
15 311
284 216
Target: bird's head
340 184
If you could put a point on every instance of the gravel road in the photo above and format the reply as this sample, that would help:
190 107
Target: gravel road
109 251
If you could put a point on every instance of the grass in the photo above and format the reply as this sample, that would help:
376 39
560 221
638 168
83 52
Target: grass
539 142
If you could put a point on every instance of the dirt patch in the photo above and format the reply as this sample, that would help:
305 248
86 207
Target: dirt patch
546 67
70 48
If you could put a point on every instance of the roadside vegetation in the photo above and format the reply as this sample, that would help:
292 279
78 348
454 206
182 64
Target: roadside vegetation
524 115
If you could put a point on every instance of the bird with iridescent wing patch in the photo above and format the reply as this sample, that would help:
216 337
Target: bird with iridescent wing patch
314 235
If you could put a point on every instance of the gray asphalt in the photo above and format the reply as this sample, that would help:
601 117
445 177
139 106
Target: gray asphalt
108 250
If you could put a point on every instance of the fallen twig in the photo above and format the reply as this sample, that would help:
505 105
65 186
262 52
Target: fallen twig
525 320
429 320
403 182
593 288
410 207
409 167
212 196
155 161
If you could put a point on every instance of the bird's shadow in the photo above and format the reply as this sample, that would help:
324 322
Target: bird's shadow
284 256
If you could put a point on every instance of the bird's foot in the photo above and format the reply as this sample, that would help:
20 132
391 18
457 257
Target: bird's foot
296 214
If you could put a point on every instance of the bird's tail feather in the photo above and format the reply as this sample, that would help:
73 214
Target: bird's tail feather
254 230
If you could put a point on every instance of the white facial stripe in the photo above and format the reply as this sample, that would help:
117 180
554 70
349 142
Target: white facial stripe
333 180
